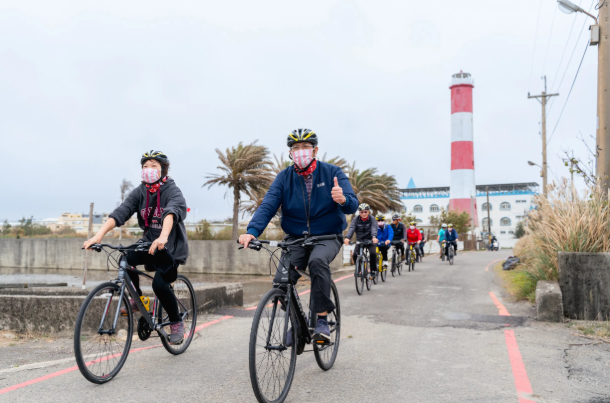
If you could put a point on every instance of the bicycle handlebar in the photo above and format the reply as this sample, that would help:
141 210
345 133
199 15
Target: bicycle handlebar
256 244
138 247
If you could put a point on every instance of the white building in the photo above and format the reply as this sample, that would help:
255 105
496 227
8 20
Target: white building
509 203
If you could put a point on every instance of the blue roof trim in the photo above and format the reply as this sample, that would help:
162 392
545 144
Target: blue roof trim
479 194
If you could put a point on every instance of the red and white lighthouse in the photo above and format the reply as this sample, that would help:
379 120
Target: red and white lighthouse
462 150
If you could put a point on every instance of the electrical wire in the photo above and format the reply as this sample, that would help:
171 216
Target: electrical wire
571 55
529 86
548 44
568 98
564 49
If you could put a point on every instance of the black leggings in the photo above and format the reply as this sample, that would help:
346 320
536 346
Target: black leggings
372 255
384 251
161 287
400 248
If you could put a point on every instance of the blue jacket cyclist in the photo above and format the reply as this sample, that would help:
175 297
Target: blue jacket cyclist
314 197
451 238
385 234
441 238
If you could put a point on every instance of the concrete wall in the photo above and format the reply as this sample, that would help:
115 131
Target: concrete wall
213 257
54 310
584 279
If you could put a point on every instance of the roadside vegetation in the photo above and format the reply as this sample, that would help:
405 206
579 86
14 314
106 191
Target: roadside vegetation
564 221
28 229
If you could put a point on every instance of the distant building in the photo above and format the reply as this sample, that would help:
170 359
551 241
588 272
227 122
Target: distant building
508 204
79 222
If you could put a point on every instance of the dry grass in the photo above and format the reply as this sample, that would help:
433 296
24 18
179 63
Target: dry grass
564 221
593 330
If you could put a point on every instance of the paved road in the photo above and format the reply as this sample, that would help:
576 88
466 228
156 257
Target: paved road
433 335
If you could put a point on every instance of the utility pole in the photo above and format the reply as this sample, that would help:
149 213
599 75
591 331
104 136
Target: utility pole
488 217
543 96
603 95
88 252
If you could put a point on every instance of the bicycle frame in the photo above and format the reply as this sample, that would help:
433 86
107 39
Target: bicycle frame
126 283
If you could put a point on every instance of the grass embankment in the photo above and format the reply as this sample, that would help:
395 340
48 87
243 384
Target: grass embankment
564 221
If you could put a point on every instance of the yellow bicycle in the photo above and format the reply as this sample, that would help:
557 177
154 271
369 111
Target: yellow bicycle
383 271
412 257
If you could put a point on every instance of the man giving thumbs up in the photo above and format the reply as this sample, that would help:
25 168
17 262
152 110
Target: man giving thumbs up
314 197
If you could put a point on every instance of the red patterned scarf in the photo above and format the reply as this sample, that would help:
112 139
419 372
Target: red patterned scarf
307 171
156 186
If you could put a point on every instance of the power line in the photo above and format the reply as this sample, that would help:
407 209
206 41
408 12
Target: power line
573 50
529 86
568 97
564 49
548 44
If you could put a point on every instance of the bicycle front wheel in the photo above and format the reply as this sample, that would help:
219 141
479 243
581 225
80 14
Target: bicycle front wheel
394 264
272 363
187 309
101 346
384 274
359 276
450 256
327 354
368 276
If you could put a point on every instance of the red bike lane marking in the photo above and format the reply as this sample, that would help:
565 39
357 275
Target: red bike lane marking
74 368
495 261
522 382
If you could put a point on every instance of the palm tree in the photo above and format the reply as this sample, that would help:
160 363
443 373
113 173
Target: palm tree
378 191
338 161
280 164
245 168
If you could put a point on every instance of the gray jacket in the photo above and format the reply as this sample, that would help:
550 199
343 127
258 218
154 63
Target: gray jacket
352 227
171 202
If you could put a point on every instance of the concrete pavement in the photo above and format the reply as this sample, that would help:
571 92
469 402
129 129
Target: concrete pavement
433 335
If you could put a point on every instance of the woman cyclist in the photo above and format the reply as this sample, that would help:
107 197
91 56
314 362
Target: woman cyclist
161 210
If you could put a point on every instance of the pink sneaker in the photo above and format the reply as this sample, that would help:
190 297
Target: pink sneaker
134 308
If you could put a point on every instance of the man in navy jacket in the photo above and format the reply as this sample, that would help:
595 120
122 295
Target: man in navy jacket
314 197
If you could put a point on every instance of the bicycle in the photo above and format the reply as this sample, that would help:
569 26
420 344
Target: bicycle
412 256
450 254
396 260
381 270
101 329
361 271
443 250
271 371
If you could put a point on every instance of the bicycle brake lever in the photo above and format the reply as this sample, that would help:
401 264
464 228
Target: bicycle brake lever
241 247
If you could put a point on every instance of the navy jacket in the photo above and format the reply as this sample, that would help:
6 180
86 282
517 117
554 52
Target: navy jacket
451 235
326 217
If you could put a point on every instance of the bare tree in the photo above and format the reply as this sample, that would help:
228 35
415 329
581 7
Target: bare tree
126 186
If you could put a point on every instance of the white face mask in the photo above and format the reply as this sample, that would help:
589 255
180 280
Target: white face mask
303 157
150 175
381 224
412 227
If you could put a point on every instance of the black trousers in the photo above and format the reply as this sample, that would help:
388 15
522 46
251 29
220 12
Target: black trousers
400 248
383 248
372 255
454 243
166 271
318 259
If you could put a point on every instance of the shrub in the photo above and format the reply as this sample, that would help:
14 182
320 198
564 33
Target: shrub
565 221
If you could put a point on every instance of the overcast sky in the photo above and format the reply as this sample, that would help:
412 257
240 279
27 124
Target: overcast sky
86 87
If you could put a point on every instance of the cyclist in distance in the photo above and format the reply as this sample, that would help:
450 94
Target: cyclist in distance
314 197
451 237
161 210
365 227
399 234
384 237
414 236
441 238
423 241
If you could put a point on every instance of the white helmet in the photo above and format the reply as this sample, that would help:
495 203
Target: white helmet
444 225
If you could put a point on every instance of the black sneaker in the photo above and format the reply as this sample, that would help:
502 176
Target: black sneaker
322 331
